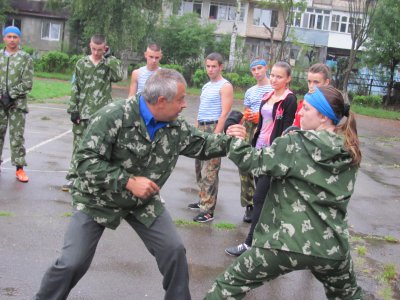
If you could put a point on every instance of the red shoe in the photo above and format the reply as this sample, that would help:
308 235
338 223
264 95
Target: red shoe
21 175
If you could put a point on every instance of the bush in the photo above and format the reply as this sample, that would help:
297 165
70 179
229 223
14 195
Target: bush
173 67
53 61
370 101
199 78
74 59
233 78
247 81
299 89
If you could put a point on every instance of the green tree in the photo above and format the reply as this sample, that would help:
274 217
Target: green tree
383 46
184 38
125 23
361 21
4 9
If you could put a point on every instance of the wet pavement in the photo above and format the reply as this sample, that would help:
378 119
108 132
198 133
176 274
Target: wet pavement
35 216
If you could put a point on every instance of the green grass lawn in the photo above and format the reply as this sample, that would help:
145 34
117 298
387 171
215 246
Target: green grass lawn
49 89
376 112
51 86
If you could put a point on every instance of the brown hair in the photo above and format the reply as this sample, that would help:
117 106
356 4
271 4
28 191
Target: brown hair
98 39
215 56
347 127
320 68
154 47
284 65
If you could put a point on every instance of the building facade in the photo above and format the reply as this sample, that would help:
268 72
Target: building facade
325 26
42 29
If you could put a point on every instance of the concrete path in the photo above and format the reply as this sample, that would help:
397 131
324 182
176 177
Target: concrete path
31 236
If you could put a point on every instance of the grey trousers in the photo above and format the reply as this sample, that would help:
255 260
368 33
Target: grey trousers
80 242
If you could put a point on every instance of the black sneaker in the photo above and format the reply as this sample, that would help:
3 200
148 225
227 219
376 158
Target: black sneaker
194 206
237 250
204 217
248 214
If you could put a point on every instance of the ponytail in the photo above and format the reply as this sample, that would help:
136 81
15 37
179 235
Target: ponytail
348 129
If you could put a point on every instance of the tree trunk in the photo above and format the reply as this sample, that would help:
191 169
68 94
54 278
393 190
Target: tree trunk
390 86
347 74
232 49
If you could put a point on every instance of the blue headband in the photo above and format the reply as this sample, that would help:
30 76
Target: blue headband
258 62
319 102
11 29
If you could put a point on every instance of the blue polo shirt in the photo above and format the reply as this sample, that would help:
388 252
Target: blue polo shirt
152 124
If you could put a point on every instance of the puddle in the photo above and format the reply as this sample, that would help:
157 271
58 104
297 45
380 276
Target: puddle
8 291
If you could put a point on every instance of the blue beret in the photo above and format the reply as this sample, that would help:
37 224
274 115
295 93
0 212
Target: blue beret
11 29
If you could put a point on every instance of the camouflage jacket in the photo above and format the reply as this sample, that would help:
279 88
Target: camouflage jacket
117 146
306 207
16 76
91 86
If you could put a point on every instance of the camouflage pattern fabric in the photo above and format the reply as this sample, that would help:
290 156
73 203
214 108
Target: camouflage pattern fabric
16 76
303 223
247 185
117 146
207 177
91 90
16 118
312 181
91 87
257 265
77 131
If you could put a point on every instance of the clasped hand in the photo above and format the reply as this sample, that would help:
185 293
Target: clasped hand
142 187
237 130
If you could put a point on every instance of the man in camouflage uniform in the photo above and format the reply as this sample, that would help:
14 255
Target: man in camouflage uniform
126 155
91 90
16 73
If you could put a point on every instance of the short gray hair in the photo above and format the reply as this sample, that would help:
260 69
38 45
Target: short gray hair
164 82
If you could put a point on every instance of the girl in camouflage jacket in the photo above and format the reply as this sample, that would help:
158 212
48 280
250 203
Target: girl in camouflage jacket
303 224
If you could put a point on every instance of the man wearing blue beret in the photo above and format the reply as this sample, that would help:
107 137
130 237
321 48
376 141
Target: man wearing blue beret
16 72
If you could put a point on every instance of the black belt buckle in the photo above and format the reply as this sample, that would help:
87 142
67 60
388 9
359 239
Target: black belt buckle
207 122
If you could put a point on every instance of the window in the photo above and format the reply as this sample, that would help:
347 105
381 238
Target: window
191 7
297 19
340 23
51 31
343 24
269 17
312 18
224 12
335 23
274 18
13 22
354 22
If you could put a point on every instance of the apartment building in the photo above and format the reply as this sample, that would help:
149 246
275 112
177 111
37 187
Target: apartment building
325 26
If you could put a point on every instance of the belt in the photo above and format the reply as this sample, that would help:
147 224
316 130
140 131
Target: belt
207 122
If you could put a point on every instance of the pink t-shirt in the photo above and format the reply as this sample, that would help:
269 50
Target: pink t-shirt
266 127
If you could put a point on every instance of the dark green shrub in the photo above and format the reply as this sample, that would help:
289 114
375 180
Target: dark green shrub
370 101
299 89
73 60
233 78
174 67
199 78
247 81
53 61
29 50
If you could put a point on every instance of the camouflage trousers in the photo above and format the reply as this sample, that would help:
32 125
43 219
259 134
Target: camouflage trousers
247 186
77 131
207 177
15 119
257 265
